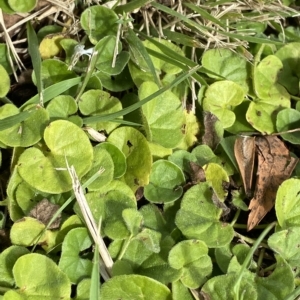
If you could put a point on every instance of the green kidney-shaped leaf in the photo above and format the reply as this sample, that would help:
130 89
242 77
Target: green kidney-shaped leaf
198 218
289 75
265 75
138 156
288 119
221 288
22 6
163 115
118 158
106 49
65 141
221 97
287 205
26 133
99 21
55 71
102 159
192 257
262 112
61 107
109 207
26 232
286 244
43 279
164 183
8 257
76 267
128 287
226 64
5 82
97 102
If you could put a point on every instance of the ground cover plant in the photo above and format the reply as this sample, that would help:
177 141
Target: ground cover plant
149 150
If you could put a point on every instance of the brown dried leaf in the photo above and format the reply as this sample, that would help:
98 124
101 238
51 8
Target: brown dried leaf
244 151
44 212
197 173
210 136
274 166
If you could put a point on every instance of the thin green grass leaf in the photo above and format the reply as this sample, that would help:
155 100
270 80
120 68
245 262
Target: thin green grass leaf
13 120
236 287
95 277
137 105
33 49
137 48
131 6
54 90
174 62
204 14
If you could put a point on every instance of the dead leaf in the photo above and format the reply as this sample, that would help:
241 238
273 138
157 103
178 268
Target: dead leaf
244 151
44 211
210 136
197 173
274 166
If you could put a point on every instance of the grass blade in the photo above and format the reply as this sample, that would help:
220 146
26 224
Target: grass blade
137 105
139 52
13 120
33 49
54 90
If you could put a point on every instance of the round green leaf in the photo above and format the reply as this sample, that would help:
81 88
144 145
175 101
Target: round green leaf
262 113
41 168
286 244
26 231
61 107
106 48
265 75
97 102
287 204
220 98
221 288
98 22
198 218
102 159
138 156
192 257
128 287
163 116
76 241
4 83
289 75
288 119
118 158
26 133
55 71
4 54
43 279
165 182
109 207
118 83
226 64
7 260
22 6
